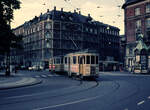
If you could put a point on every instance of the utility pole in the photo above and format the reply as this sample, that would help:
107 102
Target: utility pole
8 54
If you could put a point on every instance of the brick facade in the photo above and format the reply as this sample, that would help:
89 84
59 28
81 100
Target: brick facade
135 24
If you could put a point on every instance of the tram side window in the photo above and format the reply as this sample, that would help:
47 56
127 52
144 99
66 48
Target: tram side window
87 59
65 60
61 60
54 61
92 59
96 59
78 59
57 61
74 59
83 59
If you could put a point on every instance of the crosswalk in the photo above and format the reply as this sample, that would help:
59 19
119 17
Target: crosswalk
46 75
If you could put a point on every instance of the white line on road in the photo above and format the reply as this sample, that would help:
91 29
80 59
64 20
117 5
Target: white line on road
28 95
148 97
44 76
37 76
69 103
50 75
140 102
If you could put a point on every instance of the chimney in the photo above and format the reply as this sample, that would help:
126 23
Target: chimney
74 11
79 12
54 8
62 9
47 10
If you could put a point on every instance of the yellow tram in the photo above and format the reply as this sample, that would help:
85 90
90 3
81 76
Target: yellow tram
81 64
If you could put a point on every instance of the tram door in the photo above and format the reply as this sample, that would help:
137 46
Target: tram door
81 61
69 71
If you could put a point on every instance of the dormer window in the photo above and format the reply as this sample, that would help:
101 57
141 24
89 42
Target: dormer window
48 26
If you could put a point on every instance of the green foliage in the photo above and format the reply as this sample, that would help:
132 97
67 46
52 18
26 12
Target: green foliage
7 8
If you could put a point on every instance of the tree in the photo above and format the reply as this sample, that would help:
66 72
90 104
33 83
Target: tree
7 8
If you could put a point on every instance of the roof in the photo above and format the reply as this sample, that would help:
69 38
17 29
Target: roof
130 2
66 16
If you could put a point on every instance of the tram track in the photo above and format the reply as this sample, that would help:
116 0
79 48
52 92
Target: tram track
77 89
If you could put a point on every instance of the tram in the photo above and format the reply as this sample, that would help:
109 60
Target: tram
80 64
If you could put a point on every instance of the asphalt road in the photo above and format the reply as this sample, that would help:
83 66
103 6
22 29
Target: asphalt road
111 92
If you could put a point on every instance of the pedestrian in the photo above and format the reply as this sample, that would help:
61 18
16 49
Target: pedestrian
81 79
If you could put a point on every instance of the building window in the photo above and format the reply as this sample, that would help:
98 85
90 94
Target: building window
91 30
137 11
148 23
138 24
47 35
148 8
48 26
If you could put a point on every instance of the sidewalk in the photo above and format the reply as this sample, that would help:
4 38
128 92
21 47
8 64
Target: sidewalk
115 73
16 81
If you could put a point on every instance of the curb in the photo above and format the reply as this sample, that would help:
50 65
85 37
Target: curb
38 81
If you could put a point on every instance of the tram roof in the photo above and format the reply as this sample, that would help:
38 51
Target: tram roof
84 51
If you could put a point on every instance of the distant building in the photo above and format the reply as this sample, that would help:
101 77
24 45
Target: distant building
122 50
59 32
137 23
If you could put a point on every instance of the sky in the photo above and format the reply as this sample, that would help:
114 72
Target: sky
106 11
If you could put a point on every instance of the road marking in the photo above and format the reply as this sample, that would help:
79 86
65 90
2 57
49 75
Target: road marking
28 95
37 76
69 103
148 97
140 102
50 75
44 76
56 75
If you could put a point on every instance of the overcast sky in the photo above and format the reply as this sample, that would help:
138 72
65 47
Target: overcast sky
107 11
